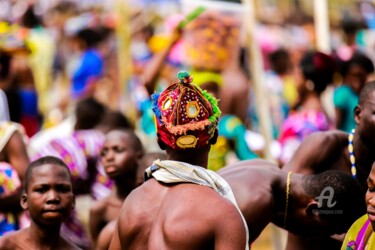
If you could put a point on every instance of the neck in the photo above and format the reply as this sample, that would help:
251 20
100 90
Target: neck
44 236
364 157
312 102
197 157
125 184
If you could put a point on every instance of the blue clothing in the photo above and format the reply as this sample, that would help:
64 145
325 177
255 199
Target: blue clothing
91 66
345 99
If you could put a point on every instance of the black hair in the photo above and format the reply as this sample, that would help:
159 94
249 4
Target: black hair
136 142
279 61
348 200
357 59
30 19
92 37
366 91
319 68
5 60
89 113
40 162
115 120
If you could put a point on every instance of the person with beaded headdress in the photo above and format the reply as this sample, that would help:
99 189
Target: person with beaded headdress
337 150
182 202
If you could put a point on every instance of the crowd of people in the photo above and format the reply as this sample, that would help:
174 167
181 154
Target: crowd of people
172 159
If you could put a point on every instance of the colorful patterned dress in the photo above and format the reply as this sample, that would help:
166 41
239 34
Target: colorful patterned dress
296 127
360 236
9 179
9 184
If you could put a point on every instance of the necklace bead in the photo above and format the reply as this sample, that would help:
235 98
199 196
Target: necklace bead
351 153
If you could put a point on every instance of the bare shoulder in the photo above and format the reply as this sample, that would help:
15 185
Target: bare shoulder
7 242
68 245
12 240
105 236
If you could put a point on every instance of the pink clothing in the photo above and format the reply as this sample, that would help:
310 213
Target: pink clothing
296 127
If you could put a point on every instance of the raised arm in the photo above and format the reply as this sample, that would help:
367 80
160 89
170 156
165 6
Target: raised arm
153 68
314 153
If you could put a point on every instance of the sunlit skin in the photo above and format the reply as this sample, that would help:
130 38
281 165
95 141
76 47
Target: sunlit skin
49 199
120 155
178 216
329 151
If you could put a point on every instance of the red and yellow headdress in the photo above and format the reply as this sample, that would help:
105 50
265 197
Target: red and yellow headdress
186 115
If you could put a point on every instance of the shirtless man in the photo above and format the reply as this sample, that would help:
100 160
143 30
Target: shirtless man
120 155
170 211
331 151
49 198
265 194
105 236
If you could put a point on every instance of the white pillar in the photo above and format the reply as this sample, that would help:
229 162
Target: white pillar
321 21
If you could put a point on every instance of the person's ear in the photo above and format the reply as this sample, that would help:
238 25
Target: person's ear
161 144
357 114
139 154
312 208
23 201
213 140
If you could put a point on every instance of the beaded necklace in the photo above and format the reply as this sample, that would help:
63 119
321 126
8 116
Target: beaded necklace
287 192
351 153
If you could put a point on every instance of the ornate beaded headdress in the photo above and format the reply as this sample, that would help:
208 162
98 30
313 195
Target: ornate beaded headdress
186 115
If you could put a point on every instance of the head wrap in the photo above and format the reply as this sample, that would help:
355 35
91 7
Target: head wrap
186 115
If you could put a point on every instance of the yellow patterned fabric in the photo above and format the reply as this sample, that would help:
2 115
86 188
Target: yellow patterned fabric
360 236
7 129
180 172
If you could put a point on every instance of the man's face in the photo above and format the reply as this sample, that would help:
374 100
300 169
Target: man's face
365 119
356 77
49 196
118 155
370 196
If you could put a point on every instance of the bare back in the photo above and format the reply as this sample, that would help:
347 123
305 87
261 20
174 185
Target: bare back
181 216
253 183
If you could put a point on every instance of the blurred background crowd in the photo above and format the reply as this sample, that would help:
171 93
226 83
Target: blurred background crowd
68 67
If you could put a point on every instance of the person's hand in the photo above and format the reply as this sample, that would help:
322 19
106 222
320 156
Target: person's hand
338 237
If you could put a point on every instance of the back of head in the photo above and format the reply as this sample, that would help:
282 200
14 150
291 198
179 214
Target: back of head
92 37
280 61
358 59
89 112
318 68
366 92
113 120
186 115
40 162
340 197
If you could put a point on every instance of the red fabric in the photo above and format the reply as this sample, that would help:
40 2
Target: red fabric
175 121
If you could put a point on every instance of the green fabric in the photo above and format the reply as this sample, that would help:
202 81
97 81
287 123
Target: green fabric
234 130
345 99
